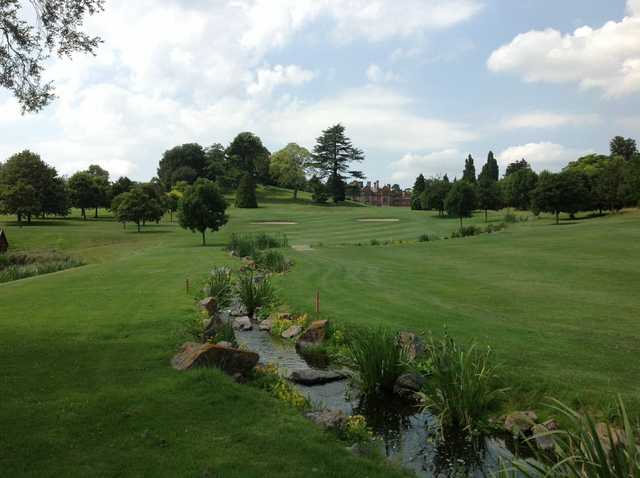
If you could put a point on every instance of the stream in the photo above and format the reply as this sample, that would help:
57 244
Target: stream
407 435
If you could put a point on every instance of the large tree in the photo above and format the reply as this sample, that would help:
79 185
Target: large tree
488 193
30 33
247 154
137 206
418 188
561 192
333 155
517 185
84 192
288 167
469 173
623 147
181 163
203 207
491 166
20 199
246 193
461 200
102 187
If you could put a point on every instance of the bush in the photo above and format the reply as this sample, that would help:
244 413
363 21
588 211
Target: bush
268 378
375 242
581 452
247 245
424 238
495 227
466 231
510 217
246 193
377 358
220 286
255 293
273 261
462 388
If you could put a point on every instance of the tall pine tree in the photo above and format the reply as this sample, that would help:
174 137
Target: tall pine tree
332 156
469 173
418 188
492 167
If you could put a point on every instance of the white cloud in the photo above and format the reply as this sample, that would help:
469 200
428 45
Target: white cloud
544 119
607 58
267 79
407 168
544 155
375 74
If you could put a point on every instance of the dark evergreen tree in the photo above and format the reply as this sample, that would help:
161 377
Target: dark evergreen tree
418 189
469 173
492 167
246 193
623 147
181 163
336 188
319 193
516 166
332 157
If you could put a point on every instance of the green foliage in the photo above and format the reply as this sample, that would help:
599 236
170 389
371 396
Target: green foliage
424 238
246 193
248 245
136 206
467 231
488 192
356 430
462 385
255 293
220 285
247 154
418 189
20 199
461 200
332 156
336 187
185 162
226 334
626 148
319 192
272 260
435 194
288 166
491 169
20 266
582 452
377 358
268 378
203 207
562 192
469 173
517 185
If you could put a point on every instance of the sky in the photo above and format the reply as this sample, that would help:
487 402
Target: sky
418 84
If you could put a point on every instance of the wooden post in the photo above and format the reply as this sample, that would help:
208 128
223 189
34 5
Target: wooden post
318 302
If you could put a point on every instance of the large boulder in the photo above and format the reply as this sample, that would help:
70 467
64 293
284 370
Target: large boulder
242 323
408 384
311 377
520 423
412 345
266 325
232 361
209 305
291 332
313 335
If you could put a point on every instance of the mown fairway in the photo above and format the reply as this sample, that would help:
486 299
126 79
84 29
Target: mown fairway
86 385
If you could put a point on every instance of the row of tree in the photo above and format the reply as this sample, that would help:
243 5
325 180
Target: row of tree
593 182
246 162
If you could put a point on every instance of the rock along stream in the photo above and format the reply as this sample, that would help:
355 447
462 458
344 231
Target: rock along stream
407 435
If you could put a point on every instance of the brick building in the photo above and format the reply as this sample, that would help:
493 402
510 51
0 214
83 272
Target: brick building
376 195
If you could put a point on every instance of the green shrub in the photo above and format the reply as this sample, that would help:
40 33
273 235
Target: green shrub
268 378
424 238
255 293
246 193
495 227
375 242
377 358
510 217
273 260
462 387
226 334
220 286
466 231
580 452
247 245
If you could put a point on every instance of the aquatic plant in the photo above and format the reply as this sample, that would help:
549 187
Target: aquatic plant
462 386
377 358
272 260
220 286
254 293
268 378
247 245
226 334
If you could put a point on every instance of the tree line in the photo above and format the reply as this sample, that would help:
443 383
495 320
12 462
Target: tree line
594 182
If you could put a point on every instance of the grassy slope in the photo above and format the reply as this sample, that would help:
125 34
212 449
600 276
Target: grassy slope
86 385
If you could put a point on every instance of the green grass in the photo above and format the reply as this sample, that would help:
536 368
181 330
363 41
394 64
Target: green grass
86 385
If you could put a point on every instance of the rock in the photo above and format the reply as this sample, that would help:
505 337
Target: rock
291 332
242 323
412 344
237 309
311 377
266 325
609 436
315 333
408 384
232 361
543 437
209 305
331 419
226 345
520 422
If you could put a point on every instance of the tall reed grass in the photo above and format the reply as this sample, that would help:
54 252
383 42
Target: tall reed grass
247 245
255 293
220 285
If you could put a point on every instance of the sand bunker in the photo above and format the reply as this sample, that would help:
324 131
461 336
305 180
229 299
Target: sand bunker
274 223
302 247
378 220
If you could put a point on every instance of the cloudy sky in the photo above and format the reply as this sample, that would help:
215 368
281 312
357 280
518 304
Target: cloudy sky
419 84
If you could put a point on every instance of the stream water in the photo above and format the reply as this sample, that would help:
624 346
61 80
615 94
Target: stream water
406 434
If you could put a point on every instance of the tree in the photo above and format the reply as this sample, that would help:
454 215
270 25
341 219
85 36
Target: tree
336 188
516 166
332 156
203 207
319 193
26 46
518 184
55 198
460 201
84 192
488 194
433 198
247 153
418 188
609 184
469 173
219 169
181 163
137 206
246 193
122 185
288 167
103 187
21 200
625 148
561 192
173 201
492 167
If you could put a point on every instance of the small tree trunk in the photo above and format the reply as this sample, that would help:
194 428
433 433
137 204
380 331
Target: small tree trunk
96 214
461 222
138 223
171 215
204 241
29 218
557 218
295 193
83 214
486 216
20 218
